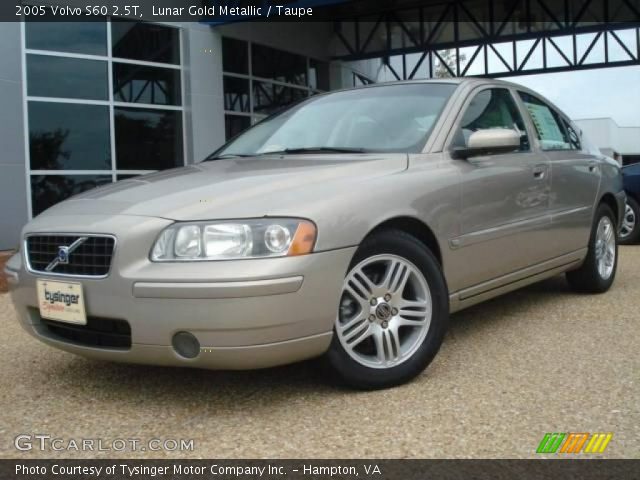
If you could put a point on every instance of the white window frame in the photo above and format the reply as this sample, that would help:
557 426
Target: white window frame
114 172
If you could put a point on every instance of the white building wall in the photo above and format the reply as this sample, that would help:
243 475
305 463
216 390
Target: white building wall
13 183
204 96
607 135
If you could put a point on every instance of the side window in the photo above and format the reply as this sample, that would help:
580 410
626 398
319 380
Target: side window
491 108
553 132
574 137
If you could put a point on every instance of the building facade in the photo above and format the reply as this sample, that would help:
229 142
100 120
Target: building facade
86 104
621 143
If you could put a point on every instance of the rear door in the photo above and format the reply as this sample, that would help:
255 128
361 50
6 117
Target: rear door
575 175
504 217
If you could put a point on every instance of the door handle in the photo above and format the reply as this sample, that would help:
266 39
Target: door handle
593 166
539 172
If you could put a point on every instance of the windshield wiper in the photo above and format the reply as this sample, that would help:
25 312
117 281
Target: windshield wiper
291 151
318 149
227 155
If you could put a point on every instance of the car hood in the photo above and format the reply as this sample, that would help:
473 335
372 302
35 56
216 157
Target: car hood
233 188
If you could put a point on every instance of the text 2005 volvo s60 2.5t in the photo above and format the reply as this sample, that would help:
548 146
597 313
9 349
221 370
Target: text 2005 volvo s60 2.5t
350 225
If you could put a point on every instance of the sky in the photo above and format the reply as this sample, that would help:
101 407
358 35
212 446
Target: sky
605 92
608 92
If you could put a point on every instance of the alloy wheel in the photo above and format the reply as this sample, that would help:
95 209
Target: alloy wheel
605 248
628 222
385 311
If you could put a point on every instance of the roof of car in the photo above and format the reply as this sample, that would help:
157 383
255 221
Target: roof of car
453 80
449 80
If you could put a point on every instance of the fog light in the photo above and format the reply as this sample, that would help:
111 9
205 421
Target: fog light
186 344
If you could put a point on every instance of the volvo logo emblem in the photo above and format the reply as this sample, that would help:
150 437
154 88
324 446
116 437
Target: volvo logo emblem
383 311
64 252
63 256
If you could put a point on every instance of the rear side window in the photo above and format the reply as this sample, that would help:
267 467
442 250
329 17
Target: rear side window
574 137
553 132
491 108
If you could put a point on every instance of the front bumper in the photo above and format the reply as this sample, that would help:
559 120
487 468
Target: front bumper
244 314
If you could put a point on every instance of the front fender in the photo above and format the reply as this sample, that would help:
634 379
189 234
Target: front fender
428 193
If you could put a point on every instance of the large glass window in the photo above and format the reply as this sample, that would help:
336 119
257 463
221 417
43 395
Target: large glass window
235 124
87 128
235 56
143 84
270 97
145 41
49 76
47 190
260 80
89 38
236 94
549 125
491 108
148 139
277 65
68 136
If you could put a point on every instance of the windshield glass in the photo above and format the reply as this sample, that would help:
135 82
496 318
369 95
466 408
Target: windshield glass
390 118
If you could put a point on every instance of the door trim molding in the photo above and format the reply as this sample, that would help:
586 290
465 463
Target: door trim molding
512 281
500 231
559 215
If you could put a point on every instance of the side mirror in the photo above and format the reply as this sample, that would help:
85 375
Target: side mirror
489 141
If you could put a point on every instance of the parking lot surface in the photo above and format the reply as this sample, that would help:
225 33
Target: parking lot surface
539 360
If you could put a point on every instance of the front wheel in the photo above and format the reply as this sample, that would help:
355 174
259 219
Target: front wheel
393 312
598 271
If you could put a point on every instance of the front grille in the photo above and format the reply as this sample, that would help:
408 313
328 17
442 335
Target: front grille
90 258
98 332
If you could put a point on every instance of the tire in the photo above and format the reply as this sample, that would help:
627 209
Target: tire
408 324
589 278
630 232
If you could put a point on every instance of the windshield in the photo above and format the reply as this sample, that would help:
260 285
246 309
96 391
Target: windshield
390 118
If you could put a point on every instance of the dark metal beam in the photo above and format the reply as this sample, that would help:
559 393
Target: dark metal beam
589 66
362 55
538 20
509 65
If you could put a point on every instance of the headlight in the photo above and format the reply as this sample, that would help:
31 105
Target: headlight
231 240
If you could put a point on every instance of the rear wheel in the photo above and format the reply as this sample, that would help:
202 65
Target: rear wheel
393 312
630 228
598 271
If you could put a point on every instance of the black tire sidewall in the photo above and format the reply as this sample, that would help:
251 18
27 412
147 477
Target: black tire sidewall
403 245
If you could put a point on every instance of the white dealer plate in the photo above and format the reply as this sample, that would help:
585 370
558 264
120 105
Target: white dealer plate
61 301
